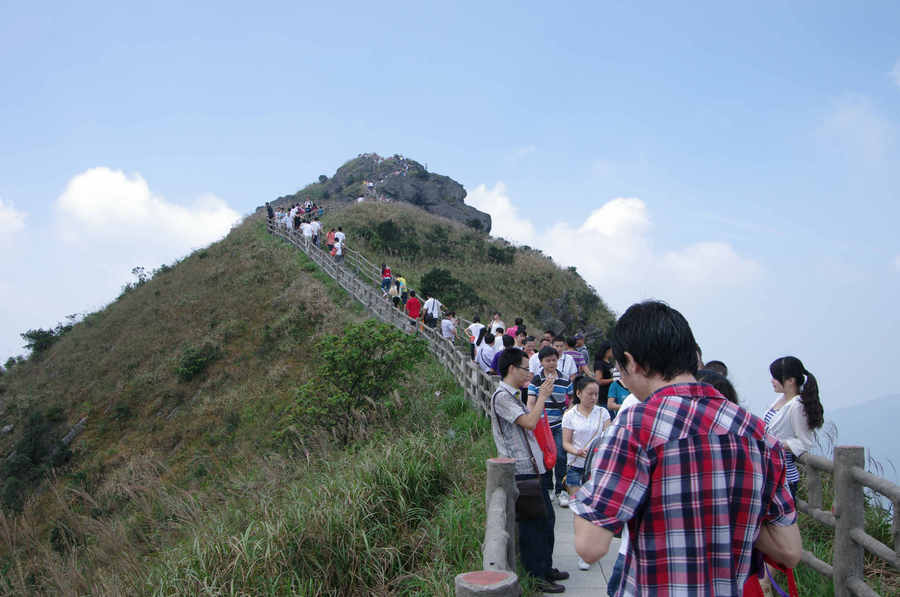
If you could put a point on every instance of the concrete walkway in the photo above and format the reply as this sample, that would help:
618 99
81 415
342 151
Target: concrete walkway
581 583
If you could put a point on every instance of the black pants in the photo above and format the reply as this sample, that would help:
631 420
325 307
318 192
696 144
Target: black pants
536 537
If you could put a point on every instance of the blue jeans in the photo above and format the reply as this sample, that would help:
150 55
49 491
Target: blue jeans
615 579
536 538
574 475
560 469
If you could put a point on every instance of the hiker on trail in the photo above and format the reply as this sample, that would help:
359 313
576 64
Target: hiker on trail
498 339
603 367
400 281
338 252
580 347
394 295
529 348
689 534
339 235
307 230
534 361
566 365
581 367
508 343
329 240
717 366
413 307
521 335
473 330
448 326
432 313
386 280
512 424
615 396
317 231
496 323
270 213
581 423
513 330
484 352
796 414
554 407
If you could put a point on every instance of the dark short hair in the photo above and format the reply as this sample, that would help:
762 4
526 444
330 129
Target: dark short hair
547 351
521 333
530 339
551 332
570 340
719 382
717 366
476 319
519 321
559 339
508 341
412 293
509 356
658 337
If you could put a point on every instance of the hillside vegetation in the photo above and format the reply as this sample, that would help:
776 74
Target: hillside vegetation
471 272
201 468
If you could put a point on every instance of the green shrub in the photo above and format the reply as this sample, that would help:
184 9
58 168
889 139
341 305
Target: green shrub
195 360
454 293
36 451
501 255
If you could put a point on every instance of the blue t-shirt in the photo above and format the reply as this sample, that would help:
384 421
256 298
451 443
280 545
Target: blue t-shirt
617 391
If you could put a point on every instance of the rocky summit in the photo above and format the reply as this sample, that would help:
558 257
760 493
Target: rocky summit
396 178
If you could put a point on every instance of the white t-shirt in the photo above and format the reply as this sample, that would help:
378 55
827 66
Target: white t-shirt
448 330
630 400
565 365
584 429
484 356
474 329
317 228
433 307
495 325
534 364
307 230
339 236
338 248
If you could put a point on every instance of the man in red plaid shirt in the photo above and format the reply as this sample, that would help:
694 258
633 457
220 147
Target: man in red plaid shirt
695 477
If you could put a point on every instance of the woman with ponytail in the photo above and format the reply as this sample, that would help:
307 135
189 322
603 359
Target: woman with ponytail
796 414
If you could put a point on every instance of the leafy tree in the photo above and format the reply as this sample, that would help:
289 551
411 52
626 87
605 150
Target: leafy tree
501 255
453 292
322 178
39 340
358 370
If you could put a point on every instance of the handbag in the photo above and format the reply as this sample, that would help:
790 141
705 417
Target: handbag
545 440
753 588
530 504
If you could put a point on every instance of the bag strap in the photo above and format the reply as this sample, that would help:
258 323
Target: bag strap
524 437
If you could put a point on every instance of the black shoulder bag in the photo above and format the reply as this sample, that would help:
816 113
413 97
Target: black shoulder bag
530 504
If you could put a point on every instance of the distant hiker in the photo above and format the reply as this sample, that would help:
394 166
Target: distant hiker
400 281
529 347
603 366
521 336
472 331
717 366
339 235
507 342
338 252
307 230
329 240
484 352
317 231
413 307
432 312
496 323
580 363
270 213
566 365
580 347
512 330
534 361
448 326
385 278
498 339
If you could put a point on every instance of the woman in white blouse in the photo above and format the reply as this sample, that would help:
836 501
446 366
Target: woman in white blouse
583 422
796 414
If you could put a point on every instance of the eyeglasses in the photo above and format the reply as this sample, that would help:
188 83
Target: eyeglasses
521 367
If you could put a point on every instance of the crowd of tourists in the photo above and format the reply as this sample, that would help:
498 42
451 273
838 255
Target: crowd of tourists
651 443
646 441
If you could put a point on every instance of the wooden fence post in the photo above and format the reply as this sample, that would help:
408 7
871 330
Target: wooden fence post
501 472
849 514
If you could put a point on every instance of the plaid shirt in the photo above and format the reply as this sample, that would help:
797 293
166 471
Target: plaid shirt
694 476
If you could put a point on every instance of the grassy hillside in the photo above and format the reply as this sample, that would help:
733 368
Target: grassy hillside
199 469
519 282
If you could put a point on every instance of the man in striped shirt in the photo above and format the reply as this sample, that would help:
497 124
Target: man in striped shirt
554 407
695 477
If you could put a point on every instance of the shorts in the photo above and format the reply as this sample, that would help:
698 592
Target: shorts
574 476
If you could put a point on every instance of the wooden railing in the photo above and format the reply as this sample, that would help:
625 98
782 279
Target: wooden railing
847 518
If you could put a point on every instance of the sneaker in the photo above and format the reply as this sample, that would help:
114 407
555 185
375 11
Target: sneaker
563 498
548 586
582 565
556 574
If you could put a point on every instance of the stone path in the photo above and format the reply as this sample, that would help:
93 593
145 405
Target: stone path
581 583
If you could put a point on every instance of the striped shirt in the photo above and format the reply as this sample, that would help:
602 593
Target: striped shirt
790 468
694 476
556 403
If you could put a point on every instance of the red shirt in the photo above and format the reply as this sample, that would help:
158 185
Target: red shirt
413 307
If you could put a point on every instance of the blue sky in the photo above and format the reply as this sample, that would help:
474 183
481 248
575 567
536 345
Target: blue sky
739 162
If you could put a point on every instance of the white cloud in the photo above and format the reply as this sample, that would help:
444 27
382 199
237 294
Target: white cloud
112 207
11 222
895 73
505 219
710 262
855 125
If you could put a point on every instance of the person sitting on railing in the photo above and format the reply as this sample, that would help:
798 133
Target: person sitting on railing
696 478
797 413
512 424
